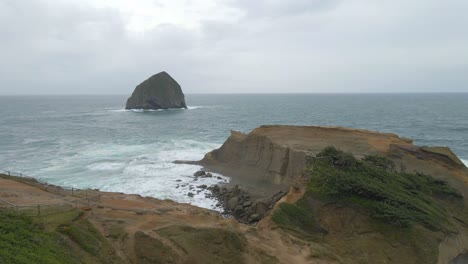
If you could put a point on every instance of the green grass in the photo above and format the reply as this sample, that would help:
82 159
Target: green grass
47 239
22 241
297 218
207 245
395 198
84 234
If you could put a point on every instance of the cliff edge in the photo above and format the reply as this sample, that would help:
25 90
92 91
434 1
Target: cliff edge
160 91
277 153
397 202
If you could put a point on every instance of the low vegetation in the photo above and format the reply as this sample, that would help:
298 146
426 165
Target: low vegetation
23 241
58 238
207 245
396 198
297 218
392 197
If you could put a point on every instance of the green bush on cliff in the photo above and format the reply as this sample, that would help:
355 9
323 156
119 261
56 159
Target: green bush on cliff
296 217
392 197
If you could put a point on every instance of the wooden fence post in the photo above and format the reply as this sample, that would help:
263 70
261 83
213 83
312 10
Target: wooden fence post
38 209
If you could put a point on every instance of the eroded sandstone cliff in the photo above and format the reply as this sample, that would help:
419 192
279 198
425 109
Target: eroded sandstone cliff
278 153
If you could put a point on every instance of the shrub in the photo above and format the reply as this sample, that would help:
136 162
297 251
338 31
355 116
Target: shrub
392 197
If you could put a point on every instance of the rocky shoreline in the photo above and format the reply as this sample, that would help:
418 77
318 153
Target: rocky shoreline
237 202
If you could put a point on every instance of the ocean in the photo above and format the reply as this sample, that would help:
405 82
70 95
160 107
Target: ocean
92 142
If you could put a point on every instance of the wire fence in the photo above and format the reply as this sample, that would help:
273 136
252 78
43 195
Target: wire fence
73 198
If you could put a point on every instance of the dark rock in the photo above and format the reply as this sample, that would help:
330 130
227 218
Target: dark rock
260 208
236 191
237 202
233 202
209 175
199 173
255 217
238 211
203 186
215 189
297 187
179 180
160 91
219 178
190 194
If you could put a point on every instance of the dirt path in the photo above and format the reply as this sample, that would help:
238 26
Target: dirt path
22 194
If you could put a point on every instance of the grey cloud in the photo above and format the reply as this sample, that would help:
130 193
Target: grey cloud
277 46
279 8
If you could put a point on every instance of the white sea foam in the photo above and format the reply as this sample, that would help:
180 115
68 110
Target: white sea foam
465 162
195 107
28 141
157 110
106 166
145 169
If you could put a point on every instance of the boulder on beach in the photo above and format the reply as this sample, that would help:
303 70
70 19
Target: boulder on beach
160 91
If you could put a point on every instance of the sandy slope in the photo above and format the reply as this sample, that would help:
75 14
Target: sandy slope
120 216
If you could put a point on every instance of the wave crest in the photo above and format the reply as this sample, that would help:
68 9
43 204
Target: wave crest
157 110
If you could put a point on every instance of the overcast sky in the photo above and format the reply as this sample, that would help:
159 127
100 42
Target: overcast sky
234 46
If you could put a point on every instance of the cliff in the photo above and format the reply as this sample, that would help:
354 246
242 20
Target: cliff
160 91
397 202
277 154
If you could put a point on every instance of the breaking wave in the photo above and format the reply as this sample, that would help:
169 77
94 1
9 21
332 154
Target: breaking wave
144 169
157 110
465 162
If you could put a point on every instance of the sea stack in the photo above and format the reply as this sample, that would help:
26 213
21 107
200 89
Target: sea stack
160 91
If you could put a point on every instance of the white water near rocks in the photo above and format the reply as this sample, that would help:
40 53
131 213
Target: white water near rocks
465 162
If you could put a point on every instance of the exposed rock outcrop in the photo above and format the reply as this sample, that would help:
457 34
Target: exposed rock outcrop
239 203
160 91
277 154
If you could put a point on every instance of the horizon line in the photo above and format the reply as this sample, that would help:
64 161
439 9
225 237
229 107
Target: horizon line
299 93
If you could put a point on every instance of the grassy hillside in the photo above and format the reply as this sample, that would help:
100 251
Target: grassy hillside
391 197
374 205
60 238
24 241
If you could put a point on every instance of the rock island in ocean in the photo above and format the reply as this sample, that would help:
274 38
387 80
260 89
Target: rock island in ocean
160 91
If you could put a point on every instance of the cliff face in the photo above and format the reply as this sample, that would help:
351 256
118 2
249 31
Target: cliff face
160 91
278 154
